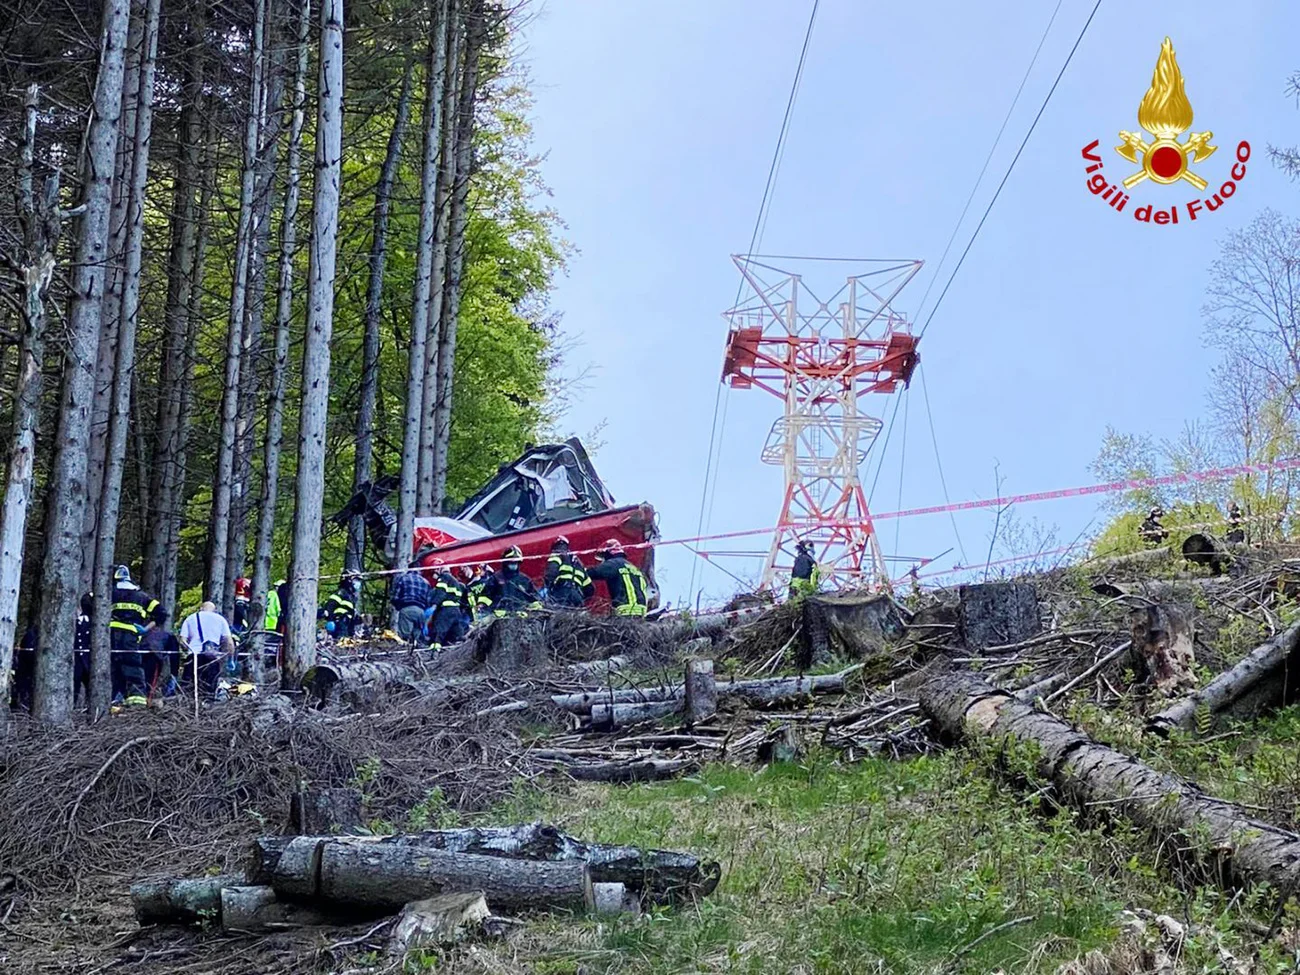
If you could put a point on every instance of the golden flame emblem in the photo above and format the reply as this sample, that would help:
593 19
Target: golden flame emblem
1166 113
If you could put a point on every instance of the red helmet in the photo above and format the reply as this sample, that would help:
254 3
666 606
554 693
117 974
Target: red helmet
612 546
437 564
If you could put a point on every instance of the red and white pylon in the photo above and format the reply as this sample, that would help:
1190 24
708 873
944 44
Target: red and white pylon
821 357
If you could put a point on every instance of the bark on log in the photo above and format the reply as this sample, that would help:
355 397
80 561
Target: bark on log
660 875
1163 646
1234 848
385 876
701 691
1265 678
770 690
441 920
255 910
313 812
645 770
621 715
180 900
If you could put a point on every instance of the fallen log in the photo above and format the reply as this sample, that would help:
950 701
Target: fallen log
641 770
382 876
1235 849
609 716
767 690
660 875
256 910
180 900
1265 678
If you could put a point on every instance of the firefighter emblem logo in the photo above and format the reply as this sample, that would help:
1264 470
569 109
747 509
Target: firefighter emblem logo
1166 113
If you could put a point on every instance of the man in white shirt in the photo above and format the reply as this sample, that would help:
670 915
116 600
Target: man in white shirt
206 634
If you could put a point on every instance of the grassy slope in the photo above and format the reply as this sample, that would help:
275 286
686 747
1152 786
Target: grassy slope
874 867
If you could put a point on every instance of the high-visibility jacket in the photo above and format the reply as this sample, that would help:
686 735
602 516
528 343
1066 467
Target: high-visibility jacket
480 601
133 608
628 588
272 617
567 582
511 592
449 594
805 576
339 608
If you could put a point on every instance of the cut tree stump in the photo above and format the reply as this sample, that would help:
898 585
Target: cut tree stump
614 899
316 812
1268 677
701 691
849 626
996 614
659 875
1164 647
385 876
442 920
256 910
1220 837
176 900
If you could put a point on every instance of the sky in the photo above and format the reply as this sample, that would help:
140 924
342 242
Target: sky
658 121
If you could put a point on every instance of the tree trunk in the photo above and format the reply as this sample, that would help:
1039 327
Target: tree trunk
110 313
438 272
1217 836
194 315
251 371
283 317
1265 678
110 498
385 876
1164 648
659 874
476 29
701 691
255 910
300 649
38 218
224 475
60 574
411 426
766 690
180 900
362 468
316 812
176 318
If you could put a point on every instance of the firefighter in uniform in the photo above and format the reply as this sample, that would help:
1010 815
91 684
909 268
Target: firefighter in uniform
806 574
510 591
1152 532
567 583
134 613
628 588
480 602
1236 533
340 610
445 619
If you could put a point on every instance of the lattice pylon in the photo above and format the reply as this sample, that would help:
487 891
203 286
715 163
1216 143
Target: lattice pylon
821 357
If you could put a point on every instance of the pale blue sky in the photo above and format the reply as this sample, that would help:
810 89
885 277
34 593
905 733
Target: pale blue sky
659 119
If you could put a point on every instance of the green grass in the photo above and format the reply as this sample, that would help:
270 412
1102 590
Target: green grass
874 867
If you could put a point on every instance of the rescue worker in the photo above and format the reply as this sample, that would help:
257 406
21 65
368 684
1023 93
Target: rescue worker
340 610
509 590
467 576
628 588
806 574
207 637
135 613
567 583
446 624
1236 533
1152 532
243 596
411 596
480 602
282 590
162 658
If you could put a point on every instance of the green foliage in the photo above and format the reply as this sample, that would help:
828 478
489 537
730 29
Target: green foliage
1122 536
881 866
